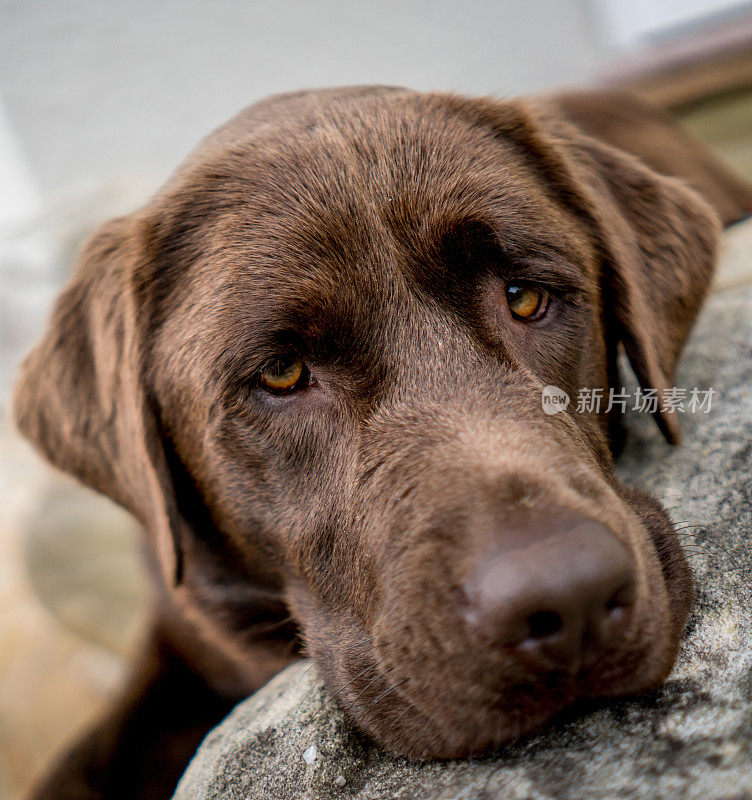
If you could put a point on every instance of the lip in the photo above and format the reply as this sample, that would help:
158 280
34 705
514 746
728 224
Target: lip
503 713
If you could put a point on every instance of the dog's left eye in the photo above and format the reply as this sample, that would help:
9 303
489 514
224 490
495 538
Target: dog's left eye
527 302
284 375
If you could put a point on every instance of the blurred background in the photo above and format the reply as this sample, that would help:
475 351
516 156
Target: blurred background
99 101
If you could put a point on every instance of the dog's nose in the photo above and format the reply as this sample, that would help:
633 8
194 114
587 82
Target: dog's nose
557 598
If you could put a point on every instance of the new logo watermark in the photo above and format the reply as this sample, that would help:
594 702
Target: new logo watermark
554 399
645 401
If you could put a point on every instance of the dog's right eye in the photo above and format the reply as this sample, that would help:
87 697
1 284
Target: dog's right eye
527 302
284 375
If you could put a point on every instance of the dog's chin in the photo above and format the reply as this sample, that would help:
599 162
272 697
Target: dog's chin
409 732
444 705
444 714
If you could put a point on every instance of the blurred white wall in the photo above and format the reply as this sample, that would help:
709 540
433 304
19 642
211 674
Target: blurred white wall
635 21
100 88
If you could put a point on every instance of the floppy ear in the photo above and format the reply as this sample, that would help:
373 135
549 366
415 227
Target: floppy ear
81 396
659 243
656 236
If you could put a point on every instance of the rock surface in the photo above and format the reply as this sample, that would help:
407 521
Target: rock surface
692 740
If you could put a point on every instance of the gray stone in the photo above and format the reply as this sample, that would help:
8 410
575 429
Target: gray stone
691 740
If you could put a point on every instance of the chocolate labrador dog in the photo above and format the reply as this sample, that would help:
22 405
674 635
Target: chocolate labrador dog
312 367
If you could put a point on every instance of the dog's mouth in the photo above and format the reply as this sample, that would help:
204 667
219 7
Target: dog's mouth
465 714
402 716
426 683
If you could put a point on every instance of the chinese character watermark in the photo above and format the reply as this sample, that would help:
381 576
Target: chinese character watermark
671 400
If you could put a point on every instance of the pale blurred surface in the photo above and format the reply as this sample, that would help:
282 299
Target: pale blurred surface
98 102
160 75
73 601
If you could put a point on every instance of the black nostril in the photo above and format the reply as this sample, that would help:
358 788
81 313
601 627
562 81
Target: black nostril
622 598
543 624
613 604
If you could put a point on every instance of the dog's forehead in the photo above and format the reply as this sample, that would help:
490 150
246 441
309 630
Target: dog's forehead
327 186
326 217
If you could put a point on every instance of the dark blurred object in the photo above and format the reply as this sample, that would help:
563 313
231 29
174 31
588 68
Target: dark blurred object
648 132
687 64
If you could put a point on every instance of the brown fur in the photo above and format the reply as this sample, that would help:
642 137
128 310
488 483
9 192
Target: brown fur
371 231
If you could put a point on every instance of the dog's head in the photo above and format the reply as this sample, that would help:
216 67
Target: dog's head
313 367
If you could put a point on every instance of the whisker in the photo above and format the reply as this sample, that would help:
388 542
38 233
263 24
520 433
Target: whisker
387 692
342 688
429 724
322 676
699 541
409 707
306 671
272 626
368 685
328 673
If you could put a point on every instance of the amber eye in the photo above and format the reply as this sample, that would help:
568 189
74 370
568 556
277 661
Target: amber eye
283 374
527 302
